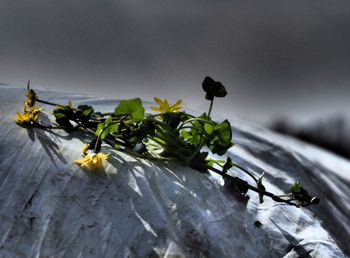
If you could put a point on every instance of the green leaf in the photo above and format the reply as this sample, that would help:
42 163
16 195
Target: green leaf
295 188
220 140
62 117
224 132
210 162
98 114
100 127
185 135
108 121
104 129
114 128
208 128
105 132
83 114
59 115
131 107
86 110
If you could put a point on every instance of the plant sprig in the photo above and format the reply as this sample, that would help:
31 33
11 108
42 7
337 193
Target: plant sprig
171 135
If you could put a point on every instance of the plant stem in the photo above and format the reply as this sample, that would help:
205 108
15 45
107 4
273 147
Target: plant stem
48 103
47 127
253 188
108 114
245 171
210 107
284 195
99 135
195 119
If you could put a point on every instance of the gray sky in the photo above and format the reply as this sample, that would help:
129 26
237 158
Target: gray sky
275 57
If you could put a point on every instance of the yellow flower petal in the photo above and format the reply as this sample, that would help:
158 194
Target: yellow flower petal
92 161
176 107
158 101
155 109
25 117
164 106
166 103
85 148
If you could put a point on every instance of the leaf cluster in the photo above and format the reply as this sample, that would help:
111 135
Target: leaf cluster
81 115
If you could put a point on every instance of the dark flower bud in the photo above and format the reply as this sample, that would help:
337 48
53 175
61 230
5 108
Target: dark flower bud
315 200
213 88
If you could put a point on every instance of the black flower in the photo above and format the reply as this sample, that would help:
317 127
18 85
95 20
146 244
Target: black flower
213 88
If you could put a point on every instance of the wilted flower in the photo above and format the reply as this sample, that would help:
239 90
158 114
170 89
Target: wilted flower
164 106
213 88
91 160
30 101
31 97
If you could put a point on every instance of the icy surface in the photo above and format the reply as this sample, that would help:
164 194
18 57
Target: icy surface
49 207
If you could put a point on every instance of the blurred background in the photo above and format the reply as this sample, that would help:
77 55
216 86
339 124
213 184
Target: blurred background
285 64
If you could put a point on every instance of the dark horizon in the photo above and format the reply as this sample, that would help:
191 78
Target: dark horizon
276 59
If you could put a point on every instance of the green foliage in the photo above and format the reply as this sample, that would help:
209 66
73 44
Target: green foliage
220 139
173 119
63 115
212 162
208 128
132 108
66 114
171 135
144 129
105 128
85 111
83 114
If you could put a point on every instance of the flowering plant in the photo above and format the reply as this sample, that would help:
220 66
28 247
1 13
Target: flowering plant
170 135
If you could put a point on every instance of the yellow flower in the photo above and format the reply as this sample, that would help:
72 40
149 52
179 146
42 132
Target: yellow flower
30 101
31 97
92 161
23 118
164 106
28 116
